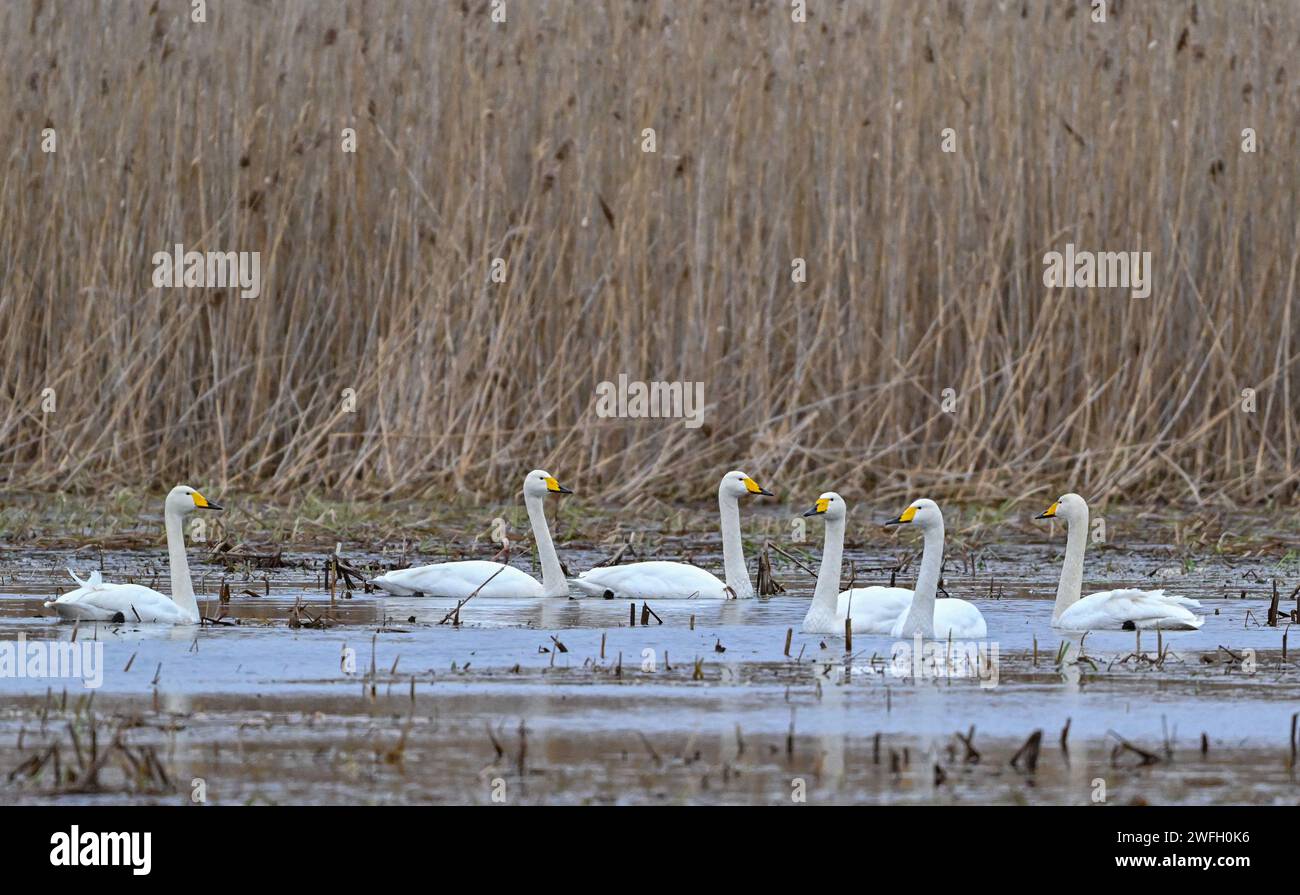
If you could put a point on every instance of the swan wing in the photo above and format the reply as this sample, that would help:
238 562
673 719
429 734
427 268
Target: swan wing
958 620
459 580
129 603
953 620
652 580
873 610
1129 608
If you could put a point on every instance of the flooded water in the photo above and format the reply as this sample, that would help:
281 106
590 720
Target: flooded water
576 700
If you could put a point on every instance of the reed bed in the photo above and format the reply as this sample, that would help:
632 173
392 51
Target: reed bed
775 140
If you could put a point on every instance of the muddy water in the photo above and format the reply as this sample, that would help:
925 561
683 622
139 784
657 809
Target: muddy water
569 701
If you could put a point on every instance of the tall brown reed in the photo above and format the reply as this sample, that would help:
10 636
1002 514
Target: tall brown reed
775 141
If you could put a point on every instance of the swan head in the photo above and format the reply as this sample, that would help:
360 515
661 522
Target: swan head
540 483
924 513
1070 507
830 505
737 484
184 500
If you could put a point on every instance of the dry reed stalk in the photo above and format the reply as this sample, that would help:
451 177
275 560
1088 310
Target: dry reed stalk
775 141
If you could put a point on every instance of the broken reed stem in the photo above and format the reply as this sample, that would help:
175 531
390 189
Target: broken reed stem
455 613
1028 753
1295 740
792 559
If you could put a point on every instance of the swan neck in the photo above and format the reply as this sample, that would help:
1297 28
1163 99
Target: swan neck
920 618
182 587
553 583
733 551
826 593
1071 586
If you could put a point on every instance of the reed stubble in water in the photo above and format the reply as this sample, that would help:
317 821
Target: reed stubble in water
775 140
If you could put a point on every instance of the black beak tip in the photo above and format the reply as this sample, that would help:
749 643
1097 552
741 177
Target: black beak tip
213 506
1042 516
765 492
564 490
812 512
892 522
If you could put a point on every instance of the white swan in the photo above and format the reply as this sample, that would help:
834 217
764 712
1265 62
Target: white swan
677 580
96 601
460 579
874 610
943 619
1125 609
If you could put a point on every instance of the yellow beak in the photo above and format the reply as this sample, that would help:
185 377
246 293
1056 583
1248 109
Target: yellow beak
1049 512
752 487
819 507
203 503
906 516
553 485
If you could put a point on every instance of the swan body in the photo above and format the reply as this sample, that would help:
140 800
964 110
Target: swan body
949 619
462 579
873 610
953 620
655 579
1125 609
676 580
94 600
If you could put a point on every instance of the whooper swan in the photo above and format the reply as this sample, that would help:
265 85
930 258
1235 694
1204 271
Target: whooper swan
460 579
96 601
873 609
677 580
1126 609
942 619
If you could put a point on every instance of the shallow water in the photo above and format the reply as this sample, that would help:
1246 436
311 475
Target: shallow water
619 713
